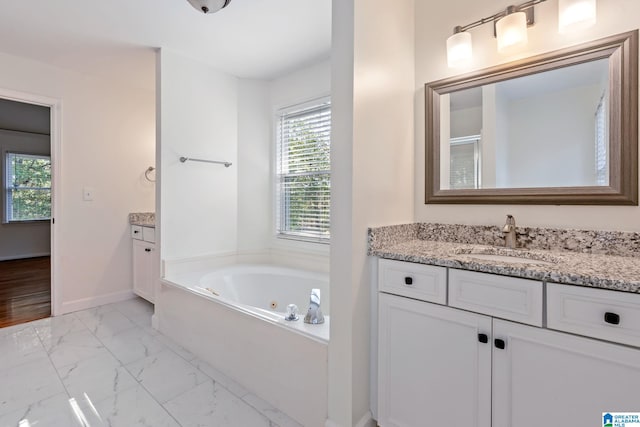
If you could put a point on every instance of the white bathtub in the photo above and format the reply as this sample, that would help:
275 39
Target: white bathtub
264 291
233 318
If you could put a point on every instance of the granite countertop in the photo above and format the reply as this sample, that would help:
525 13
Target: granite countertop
144 219
580 264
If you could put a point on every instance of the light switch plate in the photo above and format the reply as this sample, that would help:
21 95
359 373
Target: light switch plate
87 194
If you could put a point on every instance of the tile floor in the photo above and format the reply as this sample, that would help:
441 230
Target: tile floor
107 367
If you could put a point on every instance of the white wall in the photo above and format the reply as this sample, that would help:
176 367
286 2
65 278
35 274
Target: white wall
434 21
255 199
107 143
198 117
565 158
372 178
29 239
258 102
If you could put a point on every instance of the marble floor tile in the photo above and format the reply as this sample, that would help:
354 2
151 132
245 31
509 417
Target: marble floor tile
54 411
166 375
219 377
96 378
15 328
72 347
273 414
133 344
20 347
94 312
53 327
210 404
177 348
133 407
108 324
28 383
134 308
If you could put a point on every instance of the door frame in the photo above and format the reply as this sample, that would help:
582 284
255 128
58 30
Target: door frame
55 111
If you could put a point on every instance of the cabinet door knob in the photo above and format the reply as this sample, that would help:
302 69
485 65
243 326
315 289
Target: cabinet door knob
483 338
136 231
147 249
612 318
408 280
499 343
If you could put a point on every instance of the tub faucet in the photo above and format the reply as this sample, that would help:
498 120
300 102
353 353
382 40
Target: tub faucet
509 231
314 314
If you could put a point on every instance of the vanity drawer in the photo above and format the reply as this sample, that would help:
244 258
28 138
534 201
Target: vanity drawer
149 234
599 313
419 281
136 232
508 298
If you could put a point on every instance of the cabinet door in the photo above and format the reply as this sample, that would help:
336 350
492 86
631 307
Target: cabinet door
143 269
542 377
433 370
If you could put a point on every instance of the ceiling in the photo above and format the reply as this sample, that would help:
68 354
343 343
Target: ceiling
259 39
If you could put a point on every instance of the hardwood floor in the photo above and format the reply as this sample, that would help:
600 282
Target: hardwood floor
25 290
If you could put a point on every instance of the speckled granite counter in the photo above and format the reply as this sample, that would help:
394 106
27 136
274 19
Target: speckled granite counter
609 260
145 219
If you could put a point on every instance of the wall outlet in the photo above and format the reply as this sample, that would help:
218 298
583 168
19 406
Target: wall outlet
87 194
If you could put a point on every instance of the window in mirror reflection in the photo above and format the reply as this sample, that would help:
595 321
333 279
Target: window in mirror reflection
548 129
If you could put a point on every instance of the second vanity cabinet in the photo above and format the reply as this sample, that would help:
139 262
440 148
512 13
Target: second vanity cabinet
482 357
145 262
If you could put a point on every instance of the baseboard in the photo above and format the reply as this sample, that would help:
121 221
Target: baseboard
365 421
24 256
85 303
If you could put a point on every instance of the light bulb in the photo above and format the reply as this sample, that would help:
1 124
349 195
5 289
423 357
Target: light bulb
511 30
576 14
459 50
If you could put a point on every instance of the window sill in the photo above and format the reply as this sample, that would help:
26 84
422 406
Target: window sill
28 221
303 239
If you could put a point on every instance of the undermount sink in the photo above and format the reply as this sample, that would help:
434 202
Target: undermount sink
509 256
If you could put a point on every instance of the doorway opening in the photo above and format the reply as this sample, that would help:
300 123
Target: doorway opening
26 174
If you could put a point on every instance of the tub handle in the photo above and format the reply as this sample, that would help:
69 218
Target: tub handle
314 314
292 313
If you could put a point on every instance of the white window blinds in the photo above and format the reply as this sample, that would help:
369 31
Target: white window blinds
464 167
303 182
601 142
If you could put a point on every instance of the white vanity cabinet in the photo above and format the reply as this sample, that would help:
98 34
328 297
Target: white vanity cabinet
432 366
471 361
146 267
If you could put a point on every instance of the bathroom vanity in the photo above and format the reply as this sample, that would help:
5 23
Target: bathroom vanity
471 334
146 261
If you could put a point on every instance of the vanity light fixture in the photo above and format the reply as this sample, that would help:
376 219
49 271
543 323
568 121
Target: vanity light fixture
576 14
510 27
459 49
511 30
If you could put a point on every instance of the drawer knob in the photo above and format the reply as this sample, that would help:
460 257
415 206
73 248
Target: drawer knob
136 231
499 343
147 249
612 318
483 338
408 280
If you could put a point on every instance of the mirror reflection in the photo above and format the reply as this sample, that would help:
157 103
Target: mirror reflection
548 129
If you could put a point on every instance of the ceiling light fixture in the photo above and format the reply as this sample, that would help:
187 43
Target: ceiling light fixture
209 6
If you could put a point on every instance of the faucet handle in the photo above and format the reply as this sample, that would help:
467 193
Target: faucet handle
292 312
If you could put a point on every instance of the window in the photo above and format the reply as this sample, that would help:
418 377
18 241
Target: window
303 182
464 169
28 187
602 140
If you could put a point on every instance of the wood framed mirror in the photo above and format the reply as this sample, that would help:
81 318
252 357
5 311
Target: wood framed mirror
559 128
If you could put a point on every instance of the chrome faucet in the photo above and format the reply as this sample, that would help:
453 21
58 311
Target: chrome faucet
314 314
509 231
